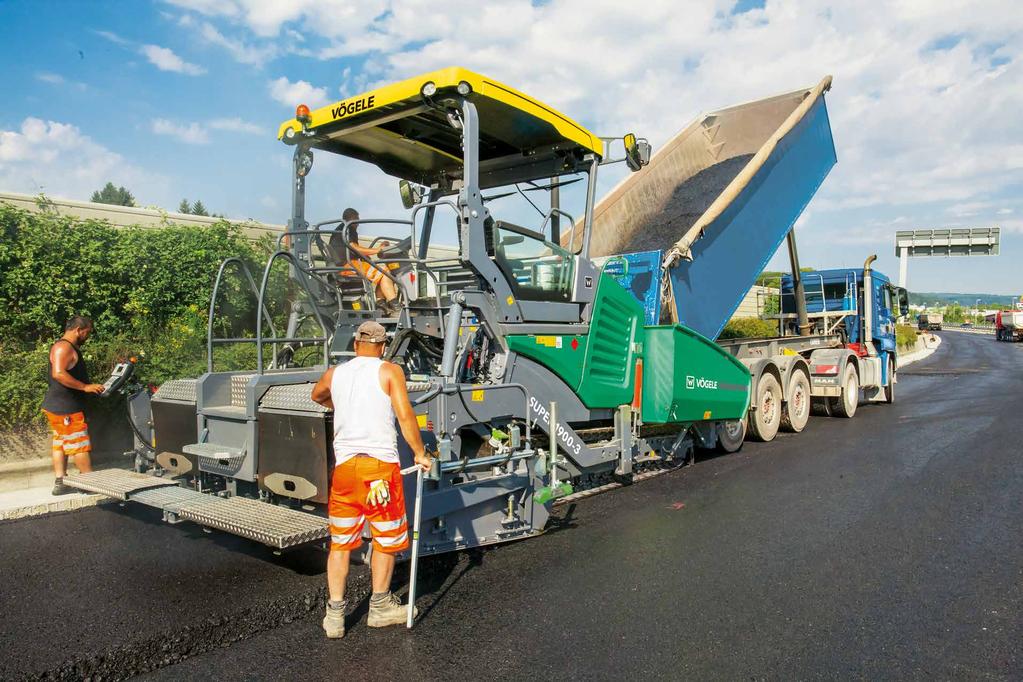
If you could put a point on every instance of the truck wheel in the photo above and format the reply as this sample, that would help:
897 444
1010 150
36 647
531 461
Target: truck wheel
889 390
797 408
765 420
845 405
730 435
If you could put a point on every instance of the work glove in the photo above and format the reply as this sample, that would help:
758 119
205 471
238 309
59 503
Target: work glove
379 493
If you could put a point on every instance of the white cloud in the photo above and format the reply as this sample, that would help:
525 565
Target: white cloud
57 79
56 158
242 52
199 133
165 60
191 133
238 125
300 92
113 37
52 78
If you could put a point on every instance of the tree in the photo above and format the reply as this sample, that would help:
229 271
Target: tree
184 207
117 196
198 208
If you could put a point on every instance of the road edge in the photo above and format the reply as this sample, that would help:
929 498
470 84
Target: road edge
72 502
930 345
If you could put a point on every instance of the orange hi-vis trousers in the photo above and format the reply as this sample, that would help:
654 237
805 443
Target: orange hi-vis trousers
70 433
349 511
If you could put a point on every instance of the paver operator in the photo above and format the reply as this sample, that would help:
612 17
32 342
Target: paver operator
64 404
367 395
356 256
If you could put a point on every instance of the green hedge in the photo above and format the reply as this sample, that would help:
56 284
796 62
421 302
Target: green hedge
749 328
905 336
147 290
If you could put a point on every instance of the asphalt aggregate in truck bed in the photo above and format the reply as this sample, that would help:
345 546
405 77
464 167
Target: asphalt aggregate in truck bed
688 202
882 547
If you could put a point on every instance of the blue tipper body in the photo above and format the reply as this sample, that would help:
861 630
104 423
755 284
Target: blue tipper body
737 246
640 274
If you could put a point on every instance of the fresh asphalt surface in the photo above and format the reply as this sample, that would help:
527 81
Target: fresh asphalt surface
886 546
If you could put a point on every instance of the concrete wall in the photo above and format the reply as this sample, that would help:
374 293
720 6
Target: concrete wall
123 216
753 304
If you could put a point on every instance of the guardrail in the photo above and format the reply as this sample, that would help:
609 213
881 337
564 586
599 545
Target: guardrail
970 328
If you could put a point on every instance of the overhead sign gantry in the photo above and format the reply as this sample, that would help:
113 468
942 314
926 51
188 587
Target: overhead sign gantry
948 242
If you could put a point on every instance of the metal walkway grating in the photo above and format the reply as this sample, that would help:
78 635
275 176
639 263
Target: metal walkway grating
270 524
170 499
117 483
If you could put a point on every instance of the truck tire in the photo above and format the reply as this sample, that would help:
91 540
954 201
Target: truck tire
797 408
765 420
845 405
889 390
730 435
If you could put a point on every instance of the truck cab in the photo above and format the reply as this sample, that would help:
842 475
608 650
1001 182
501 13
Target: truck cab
862 306
836 296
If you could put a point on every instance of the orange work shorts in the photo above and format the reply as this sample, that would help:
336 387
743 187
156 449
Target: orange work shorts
349 510
367 270
70 433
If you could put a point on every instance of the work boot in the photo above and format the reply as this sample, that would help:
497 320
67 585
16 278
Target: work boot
391 308
386 609
334 621
59 488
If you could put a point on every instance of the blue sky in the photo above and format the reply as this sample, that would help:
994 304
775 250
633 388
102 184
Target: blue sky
183 98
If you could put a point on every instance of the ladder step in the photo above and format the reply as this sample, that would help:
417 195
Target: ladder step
116 483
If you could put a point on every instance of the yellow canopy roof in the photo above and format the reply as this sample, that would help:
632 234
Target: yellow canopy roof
397 129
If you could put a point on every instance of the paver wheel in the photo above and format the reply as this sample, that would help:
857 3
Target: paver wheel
731 434
766 418
797 408
845 405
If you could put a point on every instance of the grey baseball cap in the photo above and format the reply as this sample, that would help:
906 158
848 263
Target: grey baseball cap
371 332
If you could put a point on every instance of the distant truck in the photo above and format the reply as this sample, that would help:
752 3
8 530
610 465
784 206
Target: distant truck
930 322
1009 325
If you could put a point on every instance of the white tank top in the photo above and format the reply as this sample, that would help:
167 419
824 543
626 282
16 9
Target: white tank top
363 416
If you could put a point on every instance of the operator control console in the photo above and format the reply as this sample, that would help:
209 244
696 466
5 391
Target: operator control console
122 372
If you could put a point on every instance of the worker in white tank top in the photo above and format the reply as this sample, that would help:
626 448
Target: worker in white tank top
367 395
363 416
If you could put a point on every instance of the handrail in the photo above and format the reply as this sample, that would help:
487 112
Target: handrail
426 268
428 204
259 320
547 218
213 302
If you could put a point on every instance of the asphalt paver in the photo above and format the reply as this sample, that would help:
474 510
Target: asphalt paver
886 546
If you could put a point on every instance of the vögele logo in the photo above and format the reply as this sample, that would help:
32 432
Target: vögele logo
692 382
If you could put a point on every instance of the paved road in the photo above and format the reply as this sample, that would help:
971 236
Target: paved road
887 546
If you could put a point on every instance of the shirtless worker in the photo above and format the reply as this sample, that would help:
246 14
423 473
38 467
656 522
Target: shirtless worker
356 256
64 404
367 394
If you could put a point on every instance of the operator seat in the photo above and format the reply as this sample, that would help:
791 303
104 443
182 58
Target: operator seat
356 293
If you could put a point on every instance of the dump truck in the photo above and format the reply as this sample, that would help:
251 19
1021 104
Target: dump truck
1009 325
537 369
715 204
929 322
